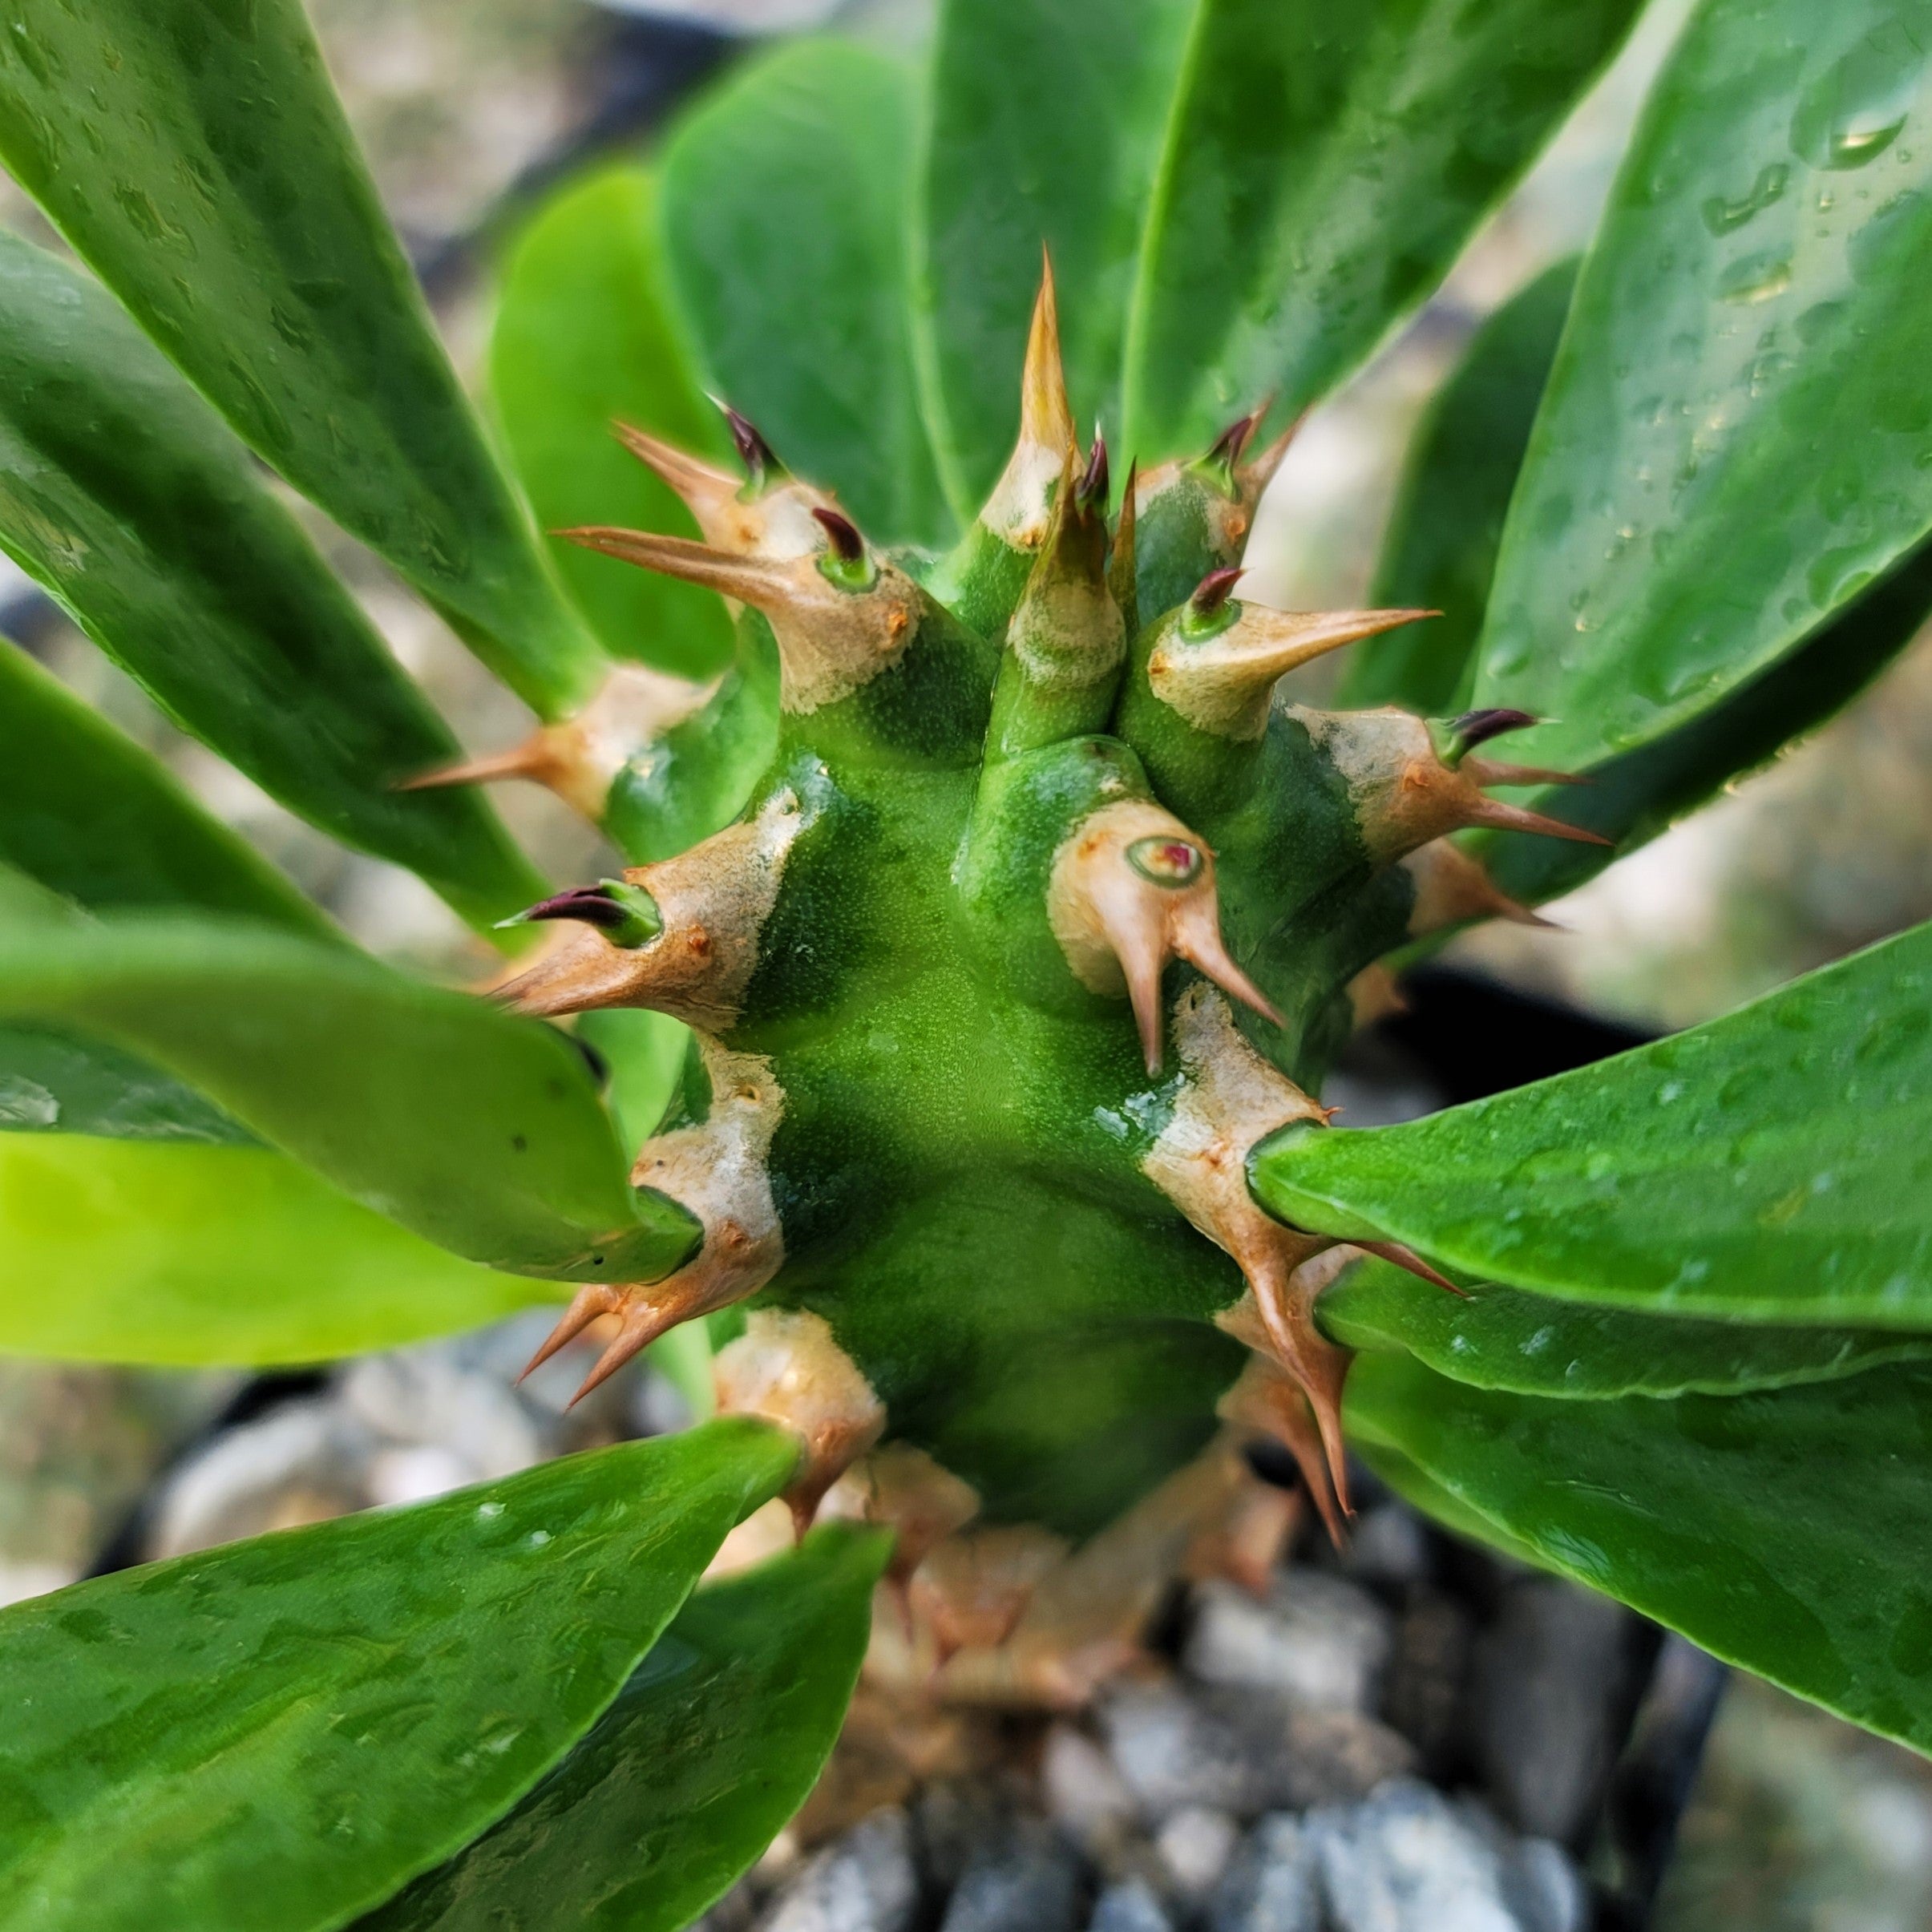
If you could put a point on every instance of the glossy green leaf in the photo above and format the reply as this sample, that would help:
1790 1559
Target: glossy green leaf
1323 167
1535 1345
1789 1531
56 1081
123 494
1771 1166
785 200
1632 798
585 337
89 813
478 1131
167 1249
714 1742
25 901
196 157
272 1736
1440 552
1047 119
1696 499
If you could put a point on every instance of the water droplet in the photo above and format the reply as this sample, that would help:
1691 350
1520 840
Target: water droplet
1721 215
1756 278
1854 111
26 1103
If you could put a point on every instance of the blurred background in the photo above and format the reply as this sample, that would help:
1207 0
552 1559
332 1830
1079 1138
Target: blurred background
468 109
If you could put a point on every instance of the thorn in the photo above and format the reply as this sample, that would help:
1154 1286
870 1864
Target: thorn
1497 816
1044 416
1407 1258
1453 889
1475 728
1252 480
533 758
1212 593
787 1368
702 488
1488 771
753 450
593 1300
1095 486
1270 1403
1131 886
847 544
1222 682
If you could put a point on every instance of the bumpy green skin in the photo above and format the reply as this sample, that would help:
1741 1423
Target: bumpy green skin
957 1170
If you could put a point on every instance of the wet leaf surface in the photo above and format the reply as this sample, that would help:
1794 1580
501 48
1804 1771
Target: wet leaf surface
275 1735
716 1739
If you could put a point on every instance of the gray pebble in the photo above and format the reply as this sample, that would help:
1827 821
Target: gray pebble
865 1882
1272 1886
1129 1907
1319 1640
1027 1882
1407 1860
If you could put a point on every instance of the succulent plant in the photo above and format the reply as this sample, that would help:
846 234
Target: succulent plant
939 1064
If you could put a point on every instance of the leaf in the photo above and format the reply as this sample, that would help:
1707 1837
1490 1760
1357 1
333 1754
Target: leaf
1771 1166
1737 433
1634 798
176 1252
1440 552
1534 1344
272 1736
196 158
52 1080
785 221
645 1052
713 1743
137 510
1323 167
585 337
86 812
479 1131
1047 122
1785 1531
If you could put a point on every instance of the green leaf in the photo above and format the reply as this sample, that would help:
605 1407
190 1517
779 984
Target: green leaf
1440 552
1772 1165
89 813
1634 798
1737 433
585 337
164 1250
478 1131
785 218
138 510
52 1080
273 1736
645 1052
196 157
714 1742
1534 1344
1786 1531
1323 167
1047 122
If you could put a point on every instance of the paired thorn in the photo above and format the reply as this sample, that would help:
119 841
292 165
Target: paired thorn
1499 816
1132 888
1217 664
644 1315
1406 1258
765 517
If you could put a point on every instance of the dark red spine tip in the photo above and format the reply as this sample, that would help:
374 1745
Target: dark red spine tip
592 905
1475 728
753 450
1095 486
847 545
1214 591
1231 444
